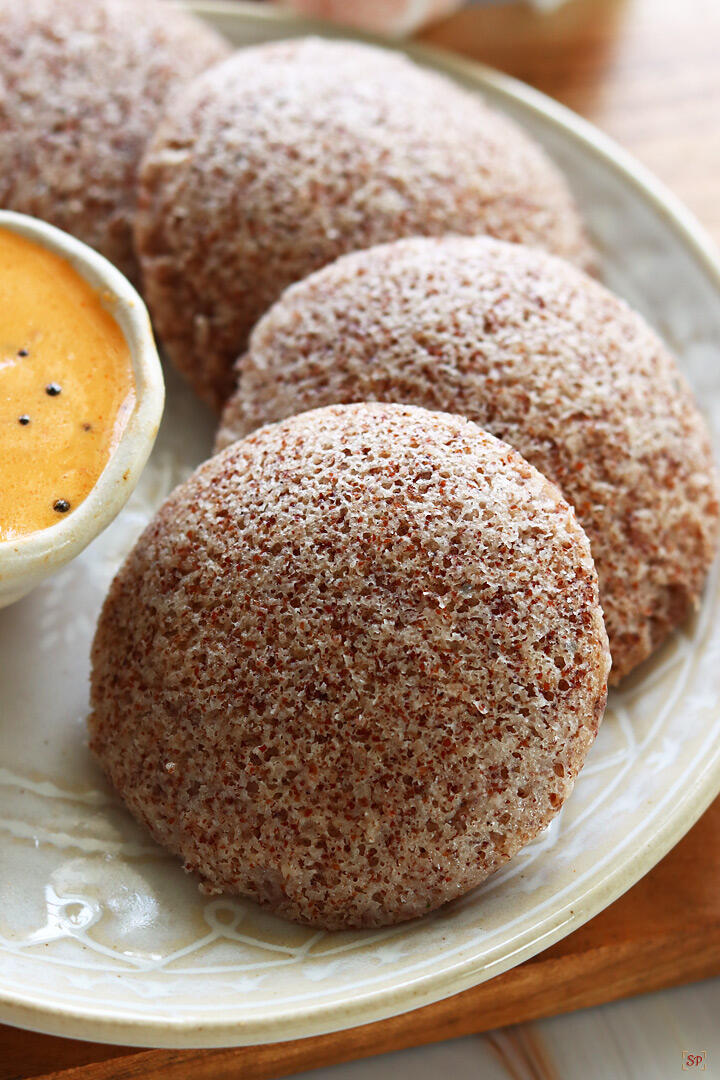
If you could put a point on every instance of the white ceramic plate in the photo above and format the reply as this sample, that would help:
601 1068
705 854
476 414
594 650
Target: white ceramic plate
103 937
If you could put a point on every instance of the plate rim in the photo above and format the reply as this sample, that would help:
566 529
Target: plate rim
26 1009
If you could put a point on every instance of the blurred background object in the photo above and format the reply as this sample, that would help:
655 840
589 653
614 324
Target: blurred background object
644 71
396 18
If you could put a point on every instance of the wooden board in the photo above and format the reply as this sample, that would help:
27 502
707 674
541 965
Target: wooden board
665 931
646 71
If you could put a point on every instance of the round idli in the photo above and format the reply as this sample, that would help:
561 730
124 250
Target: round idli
542 356
287 155
353 665
82 85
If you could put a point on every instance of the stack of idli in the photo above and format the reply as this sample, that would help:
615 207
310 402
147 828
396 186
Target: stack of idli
356 662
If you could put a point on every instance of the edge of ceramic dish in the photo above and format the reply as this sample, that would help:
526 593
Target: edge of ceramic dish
230 1029
26 560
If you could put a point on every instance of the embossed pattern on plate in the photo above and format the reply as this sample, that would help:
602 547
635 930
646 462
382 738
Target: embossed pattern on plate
102 936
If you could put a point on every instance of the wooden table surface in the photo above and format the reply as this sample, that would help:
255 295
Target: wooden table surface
648 73
645 71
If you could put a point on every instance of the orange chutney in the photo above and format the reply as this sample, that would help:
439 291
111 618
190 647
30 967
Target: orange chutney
66 387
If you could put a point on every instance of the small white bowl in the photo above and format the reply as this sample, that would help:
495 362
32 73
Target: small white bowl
27 560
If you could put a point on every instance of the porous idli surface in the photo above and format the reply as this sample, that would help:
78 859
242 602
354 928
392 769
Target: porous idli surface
82 85
289 154
353 665
542 356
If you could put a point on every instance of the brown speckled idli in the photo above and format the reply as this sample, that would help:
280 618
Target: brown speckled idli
543 357
353 665
287 155
82 83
